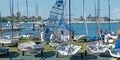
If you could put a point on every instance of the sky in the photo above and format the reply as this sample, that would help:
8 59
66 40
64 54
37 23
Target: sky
44 7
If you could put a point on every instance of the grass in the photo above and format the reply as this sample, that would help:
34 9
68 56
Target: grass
46 46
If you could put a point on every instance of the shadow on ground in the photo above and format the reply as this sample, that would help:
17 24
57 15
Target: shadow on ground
105 55
11 55
87 57
45 55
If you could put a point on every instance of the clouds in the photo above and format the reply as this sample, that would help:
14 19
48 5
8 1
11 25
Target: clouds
116 13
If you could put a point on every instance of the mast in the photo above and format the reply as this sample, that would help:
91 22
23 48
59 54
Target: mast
27 7
98 18
10 7
95 9
18 16
86 29
18 6
70 18
37 14
109 15
12 14
0 25
18 13
41 11
70 33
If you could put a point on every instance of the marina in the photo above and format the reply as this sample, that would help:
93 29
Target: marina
32 36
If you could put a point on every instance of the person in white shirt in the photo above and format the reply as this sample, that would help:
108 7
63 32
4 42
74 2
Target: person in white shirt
52 37
110 38
42 35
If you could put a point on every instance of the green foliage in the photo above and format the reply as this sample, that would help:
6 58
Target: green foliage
23 18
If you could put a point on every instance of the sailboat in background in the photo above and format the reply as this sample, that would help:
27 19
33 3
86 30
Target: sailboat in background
84 36
115 51
31 46
26 34
98 46
109 36
10 39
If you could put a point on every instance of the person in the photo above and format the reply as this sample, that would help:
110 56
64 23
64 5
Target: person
72 33
52 37
107 38
106 32
110 38
101 31
117 44
42 35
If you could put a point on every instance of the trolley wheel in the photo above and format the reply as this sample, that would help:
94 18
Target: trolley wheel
57 54
16 44
7 53
81 55
41 53
85 52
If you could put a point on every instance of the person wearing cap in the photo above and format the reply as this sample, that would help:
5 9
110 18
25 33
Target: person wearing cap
117 44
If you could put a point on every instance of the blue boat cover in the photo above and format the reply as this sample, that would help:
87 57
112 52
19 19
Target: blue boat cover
4 48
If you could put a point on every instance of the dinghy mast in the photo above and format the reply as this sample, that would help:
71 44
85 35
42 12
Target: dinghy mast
98 18
27 7
12 15
109 15
70 33
0 25
86 28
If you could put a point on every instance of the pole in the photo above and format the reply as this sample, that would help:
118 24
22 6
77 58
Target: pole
12 16
86 29
0 25
10 7
109 15
70 18
27 7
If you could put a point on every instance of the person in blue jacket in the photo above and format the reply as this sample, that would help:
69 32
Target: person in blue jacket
117 45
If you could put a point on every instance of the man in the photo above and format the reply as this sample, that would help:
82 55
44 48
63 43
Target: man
117 45
42 35
110 38
52 37
72 33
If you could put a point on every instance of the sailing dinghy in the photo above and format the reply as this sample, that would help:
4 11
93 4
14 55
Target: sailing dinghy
66 49
31 47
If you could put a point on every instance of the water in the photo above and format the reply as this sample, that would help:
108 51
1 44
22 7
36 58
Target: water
92 27
78 27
